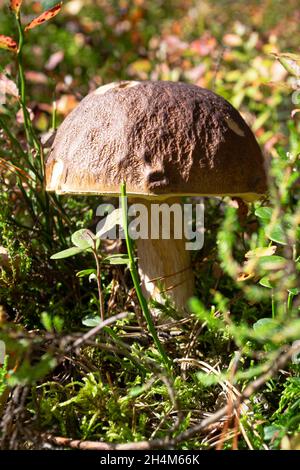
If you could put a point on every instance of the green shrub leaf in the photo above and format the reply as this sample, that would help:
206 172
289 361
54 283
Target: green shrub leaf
91 321
86 272
264 213
116 259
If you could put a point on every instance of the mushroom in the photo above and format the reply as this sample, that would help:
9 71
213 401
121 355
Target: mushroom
165 140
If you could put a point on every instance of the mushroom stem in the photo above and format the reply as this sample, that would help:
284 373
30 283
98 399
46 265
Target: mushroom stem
165 267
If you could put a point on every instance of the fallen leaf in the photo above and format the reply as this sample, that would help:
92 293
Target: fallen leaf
36 77
6 42
46 16
204 46
140 68
232 40
294 112
195 73
173 45
245 276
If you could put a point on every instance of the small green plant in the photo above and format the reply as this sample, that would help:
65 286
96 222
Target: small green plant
85 241
70 375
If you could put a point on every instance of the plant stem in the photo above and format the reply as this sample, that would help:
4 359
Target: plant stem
18 146
100 292
136 281
30 133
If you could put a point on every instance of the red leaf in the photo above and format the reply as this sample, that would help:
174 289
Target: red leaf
46 16
8 43
15 6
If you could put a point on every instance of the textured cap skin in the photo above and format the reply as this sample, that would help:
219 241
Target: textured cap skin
162 138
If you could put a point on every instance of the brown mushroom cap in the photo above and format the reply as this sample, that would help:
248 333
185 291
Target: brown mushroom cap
162 138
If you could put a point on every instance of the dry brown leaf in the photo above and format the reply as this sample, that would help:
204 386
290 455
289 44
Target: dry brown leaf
294 112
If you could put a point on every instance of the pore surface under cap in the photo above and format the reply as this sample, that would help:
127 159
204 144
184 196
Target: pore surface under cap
162 138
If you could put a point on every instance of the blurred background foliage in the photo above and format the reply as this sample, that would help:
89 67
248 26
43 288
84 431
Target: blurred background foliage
223 45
